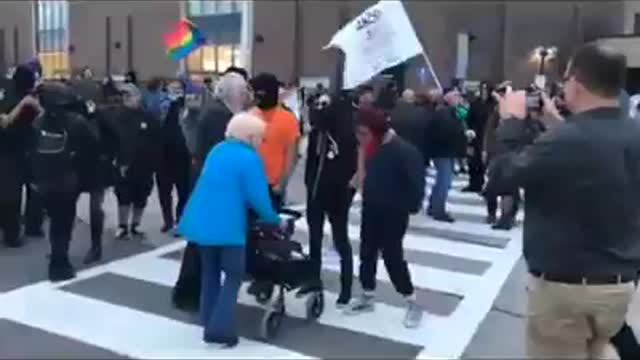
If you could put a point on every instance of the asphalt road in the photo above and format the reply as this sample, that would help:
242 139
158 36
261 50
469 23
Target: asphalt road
469 280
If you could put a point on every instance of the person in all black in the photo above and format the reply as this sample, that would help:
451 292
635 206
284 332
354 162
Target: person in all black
410 120
394 186
64 147
581 180
331 163
201 135
445 142
17 112
176 163
138 158
479 111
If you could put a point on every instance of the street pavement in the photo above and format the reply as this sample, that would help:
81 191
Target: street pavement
469 279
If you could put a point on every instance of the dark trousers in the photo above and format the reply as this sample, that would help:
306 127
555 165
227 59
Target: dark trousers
626 344
10 219
476 169
219 298
333 203
34 212
134 189
510 205
382 231
96 217
61 208
186 292
178 176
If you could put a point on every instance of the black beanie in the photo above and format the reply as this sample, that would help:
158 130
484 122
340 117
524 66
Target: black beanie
266 88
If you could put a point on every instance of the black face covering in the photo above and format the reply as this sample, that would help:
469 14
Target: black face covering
266 87
24 80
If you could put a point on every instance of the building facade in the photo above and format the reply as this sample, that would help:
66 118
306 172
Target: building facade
286 36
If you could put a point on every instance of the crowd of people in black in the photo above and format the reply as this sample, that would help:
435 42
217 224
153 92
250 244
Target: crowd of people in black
573 153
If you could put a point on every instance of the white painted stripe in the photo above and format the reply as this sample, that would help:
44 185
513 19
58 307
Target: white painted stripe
451 341
125 331
422 221
424 277
427 244
457 183
385 322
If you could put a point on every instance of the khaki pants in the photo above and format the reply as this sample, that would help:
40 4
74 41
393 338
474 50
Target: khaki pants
574 321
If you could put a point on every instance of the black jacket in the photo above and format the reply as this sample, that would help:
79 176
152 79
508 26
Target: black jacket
14 144
140 141
479 112
332 132
395 179
175 151
445 135
582 185
211 128
410 122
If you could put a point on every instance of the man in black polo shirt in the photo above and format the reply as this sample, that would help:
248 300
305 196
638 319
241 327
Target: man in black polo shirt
581 229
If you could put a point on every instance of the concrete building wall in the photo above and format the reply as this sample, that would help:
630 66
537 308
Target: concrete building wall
151 19
16 15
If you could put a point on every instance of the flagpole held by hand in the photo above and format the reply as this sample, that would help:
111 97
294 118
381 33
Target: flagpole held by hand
433 73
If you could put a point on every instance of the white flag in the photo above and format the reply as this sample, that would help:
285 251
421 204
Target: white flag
379 38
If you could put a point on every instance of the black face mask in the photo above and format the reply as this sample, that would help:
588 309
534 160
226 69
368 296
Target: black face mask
266 100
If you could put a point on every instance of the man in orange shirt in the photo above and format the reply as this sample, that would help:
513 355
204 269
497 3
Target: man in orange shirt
279 148
278 152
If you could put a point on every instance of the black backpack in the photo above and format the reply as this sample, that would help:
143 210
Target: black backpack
52 158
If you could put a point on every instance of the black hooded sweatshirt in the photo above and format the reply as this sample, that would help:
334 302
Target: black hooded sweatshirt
332 148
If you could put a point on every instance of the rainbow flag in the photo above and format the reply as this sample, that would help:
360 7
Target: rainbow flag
184 39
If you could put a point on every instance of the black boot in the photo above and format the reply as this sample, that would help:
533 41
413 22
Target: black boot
505 224
14 243
61 271
122 233
491 219
94 255
137 233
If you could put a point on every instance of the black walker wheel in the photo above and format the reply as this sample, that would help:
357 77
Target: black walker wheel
270 325
315 306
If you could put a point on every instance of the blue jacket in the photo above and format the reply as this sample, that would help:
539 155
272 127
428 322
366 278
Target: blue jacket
233 180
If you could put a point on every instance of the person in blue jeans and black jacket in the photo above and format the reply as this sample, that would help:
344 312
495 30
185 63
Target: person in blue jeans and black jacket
445 142
232 181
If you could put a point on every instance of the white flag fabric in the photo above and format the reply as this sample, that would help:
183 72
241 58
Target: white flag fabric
379 38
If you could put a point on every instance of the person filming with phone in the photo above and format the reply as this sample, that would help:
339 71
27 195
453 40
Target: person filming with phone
581 179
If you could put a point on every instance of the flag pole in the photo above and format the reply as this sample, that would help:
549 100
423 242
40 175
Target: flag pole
433 73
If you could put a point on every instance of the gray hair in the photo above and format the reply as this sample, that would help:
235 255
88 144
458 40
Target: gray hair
230 86
245 127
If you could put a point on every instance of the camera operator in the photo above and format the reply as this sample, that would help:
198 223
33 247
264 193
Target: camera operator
582 182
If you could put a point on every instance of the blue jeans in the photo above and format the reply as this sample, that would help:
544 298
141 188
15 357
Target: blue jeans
218 299
440 190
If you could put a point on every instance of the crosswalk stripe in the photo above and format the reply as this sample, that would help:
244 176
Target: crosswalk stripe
123 330
385 322
433 302
427 243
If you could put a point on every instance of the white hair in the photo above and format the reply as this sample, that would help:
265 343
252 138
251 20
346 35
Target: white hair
229 85
245 127
409 96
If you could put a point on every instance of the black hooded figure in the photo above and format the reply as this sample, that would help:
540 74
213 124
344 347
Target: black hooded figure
331 163
13 147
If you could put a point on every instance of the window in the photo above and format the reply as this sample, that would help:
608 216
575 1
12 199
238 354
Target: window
214 58
52 37
211 7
